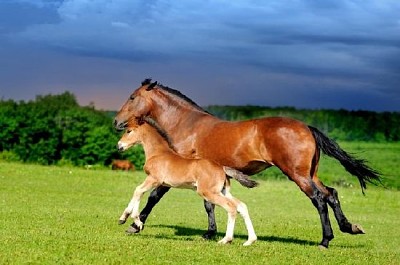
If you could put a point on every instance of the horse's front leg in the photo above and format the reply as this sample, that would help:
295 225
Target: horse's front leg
212 225
210 210
154 197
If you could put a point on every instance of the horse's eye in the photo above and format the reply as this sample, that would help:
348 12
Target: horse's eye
132 97
129 131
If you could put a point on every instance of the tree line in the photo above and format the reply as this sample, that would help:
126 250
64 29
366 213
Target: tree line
55 129
343 125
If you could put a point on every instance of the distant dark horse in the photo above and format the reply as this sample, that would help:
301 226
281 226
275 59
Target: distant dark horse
165 167
122 165
249 146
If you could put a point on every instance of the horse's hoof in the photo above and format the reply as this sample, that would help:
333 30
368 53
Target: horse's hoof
321 247
209 235
121 222
357 229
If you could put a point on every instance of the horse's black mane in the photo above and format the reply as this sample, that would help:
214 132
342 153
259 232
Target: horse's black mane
160 131
175 92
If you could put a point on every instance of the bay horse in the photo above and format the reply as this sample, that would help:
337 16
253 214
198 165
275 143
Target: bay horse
249 146
122 165
165 167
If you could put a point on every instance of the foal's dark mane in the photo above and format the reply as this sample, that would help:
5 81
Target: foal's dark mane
175 92
160 131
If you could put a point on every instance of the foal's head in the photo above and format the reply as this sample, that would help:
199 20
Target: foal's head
131 135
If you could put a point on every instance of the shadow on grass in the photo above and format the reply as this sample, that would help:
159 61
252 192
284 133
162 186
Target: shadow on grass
188 231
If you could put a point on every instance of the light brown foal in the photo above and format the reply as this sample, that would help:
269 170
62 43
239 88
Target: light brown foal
165 167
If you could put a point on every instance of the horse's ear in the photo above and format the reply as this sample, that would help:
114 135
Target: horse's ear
151 86
140 120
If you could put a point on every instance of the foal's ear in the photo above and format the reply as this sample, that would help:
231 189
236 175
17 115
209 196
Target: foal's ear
151 86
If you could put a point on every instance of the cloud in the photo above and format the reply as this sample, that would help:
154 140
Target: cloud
347 45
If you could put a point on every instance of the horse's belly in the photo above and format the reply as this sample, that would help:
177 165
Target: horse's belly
254 167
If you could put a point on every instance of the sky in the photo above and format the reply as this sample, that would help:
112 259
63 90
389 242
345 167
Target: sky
312 54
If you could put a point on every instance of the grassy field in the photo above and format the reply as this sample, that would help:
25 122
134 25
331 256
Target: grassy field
66 215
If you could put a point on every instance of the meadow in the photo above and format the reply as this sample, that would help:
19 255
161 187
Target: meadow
69 215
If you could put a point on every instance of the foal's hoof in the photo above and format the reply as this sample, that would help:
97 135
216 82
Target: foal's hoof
134 229
249 242
321 247
210 234
357 229
225 241
121 222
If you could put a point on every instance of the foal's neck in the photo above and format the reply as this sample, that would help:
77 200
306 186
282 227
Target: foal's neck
153 143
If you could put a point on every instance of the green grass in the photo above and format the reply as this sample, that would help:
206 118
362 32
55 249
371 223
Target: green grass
66 215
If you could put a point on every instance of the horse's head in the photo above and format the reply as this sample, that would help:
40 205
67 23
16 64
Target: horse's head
138 105
131 134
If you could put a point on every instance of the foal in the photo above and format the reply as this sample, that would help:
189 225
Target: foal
164 167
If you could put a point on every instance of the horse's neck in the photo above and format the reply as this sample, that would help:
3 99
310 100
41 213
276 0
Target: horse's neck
172 114
153 143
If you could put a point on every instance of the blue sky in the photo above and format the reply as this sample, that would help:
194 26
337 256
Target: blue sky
328 54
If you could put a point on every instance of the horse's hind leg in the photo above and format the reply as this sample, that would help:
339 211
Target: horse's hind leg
318 199
344 225
333 201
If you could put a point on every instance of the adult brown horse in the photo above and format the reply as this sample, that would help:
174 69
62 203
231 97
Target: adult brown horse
249 146
122 165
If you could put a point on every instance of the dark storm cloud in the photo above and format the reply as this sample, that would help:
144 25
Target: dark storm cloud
322 51
17 16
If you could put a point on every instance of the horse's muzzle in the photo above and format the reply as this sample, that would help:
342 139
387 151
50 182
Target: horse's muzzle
120 126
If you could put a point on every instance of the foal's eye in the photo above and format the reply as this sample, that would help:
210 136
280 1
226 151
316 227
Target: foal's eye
129 131
132 97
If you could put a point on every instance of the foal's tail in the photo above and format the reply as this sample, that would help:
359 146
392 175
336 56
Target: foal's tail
240 177
354 166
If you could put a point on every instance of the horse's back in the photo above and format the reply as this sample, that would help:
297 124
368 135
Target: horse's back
253 145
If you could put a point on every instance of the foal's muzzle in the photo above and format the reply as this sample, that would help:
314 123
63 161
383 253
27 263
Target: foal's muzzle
121 147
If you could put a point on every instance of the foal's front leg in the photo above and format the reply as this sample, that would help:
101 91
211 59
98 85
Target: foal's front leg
133 207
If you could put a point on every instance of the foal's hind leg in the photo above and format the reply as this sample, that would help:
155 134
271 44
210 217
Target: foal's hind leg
210 210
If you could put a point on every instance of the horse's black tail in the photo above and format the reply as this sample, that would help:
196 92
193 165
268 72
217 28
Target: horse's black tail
354 166
240 177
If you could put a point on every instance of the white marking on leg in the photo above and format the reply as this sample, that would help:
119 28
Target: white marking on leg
133 207
252 237
229 229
